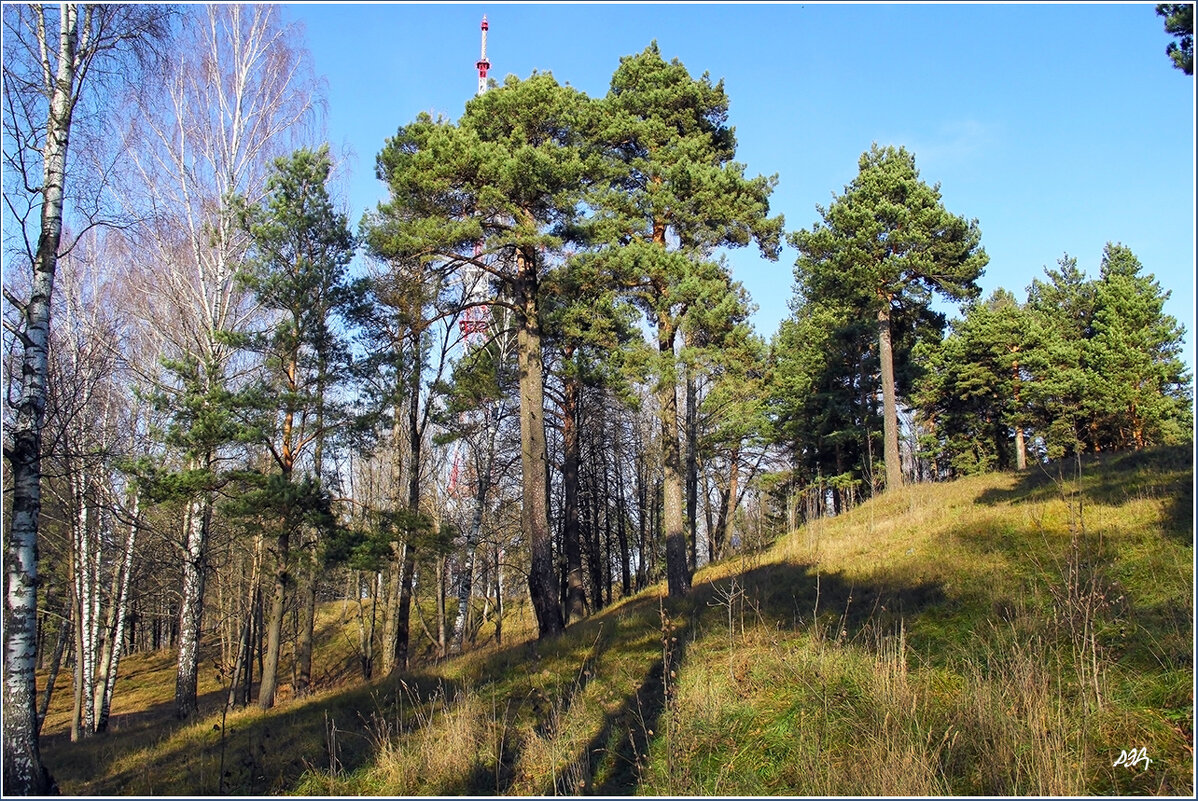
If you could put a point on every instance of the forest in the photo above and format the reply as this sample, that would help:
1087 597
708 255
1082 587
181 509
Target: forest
526 383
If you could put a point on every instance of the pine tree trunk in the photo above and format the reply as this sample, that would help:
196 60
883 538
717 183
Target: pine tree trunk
594 554
890 445
241 684
692 467
403 612
498 595
713 534
274 624
575 591
268 688
307 628
442 623
403 609
391 577
1020 446
678 574
542 580
606 502
307 612
241 661
727 519
644 516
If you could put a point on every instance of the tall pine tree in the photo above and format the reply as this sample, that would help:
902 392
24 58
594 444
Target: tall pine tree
296 269
508 178
887 244
677 195
1135 349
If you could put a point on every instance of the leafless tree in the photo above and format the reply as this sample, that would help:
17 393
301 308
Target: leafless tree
240 94
53 60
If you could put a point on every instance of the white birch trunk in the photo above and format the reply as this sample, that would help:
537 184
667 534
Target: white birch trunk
191 606
111 658
23 769
465 587
82 722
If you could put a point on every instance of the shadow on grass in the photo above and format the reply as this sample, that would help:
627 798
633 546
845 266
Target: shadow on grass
338 734
256 754
781 595
127 731
1165 472
617 753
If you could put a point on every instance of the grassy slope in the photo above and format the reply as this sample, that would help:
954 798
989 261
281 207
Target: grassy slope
1006 634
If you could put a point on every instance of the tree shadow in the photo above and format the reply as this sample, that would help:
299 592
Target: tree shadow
126 731
1165 472
618 752
778 595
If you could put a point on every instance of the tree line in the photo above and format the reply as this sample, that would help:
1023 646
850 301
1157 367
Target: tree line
526 376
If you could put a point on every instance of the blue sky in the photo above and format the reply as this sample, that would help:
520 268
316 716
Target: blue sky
1058 127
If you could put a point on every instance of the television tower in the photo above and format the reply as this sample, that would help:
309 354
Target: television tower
475 319
483 65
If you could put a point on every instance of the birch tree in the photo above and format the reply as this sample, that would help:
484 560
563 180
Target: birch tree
53 60
240 94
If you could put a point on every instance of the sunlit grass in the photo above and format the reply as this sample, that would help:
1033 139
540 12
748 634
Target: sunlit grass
1000 635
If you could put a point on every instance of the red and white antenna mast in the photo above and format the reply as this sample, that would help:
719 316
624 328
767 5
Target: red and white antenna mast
475 318
483 65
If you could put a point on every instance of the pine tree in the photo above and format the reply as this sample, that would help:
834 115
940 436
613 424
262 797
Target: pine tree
820 394
1134 352
509 177
1179 23
1060 318
733 426
971 390
888 243
677 195
296 270
592 329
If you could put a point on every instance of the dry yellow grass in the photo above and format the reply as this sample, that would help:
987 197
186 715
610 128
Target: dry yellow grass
1004 634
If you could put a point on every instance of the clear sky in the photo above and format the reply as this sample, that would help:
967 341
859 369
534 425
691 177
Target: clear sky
1058 127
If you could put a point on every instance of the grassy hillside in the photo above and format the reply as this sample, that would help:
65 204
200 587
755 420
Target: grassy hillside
1005 634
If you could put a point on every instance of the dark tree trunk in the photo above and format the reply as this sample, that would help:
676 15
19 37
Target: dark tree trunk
594 555
274 624
307 629
575 592
542 580
692 467
678 574
403 613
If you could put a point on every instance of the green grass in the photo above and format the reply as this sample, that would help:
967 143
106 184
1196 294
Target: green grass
1007 634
